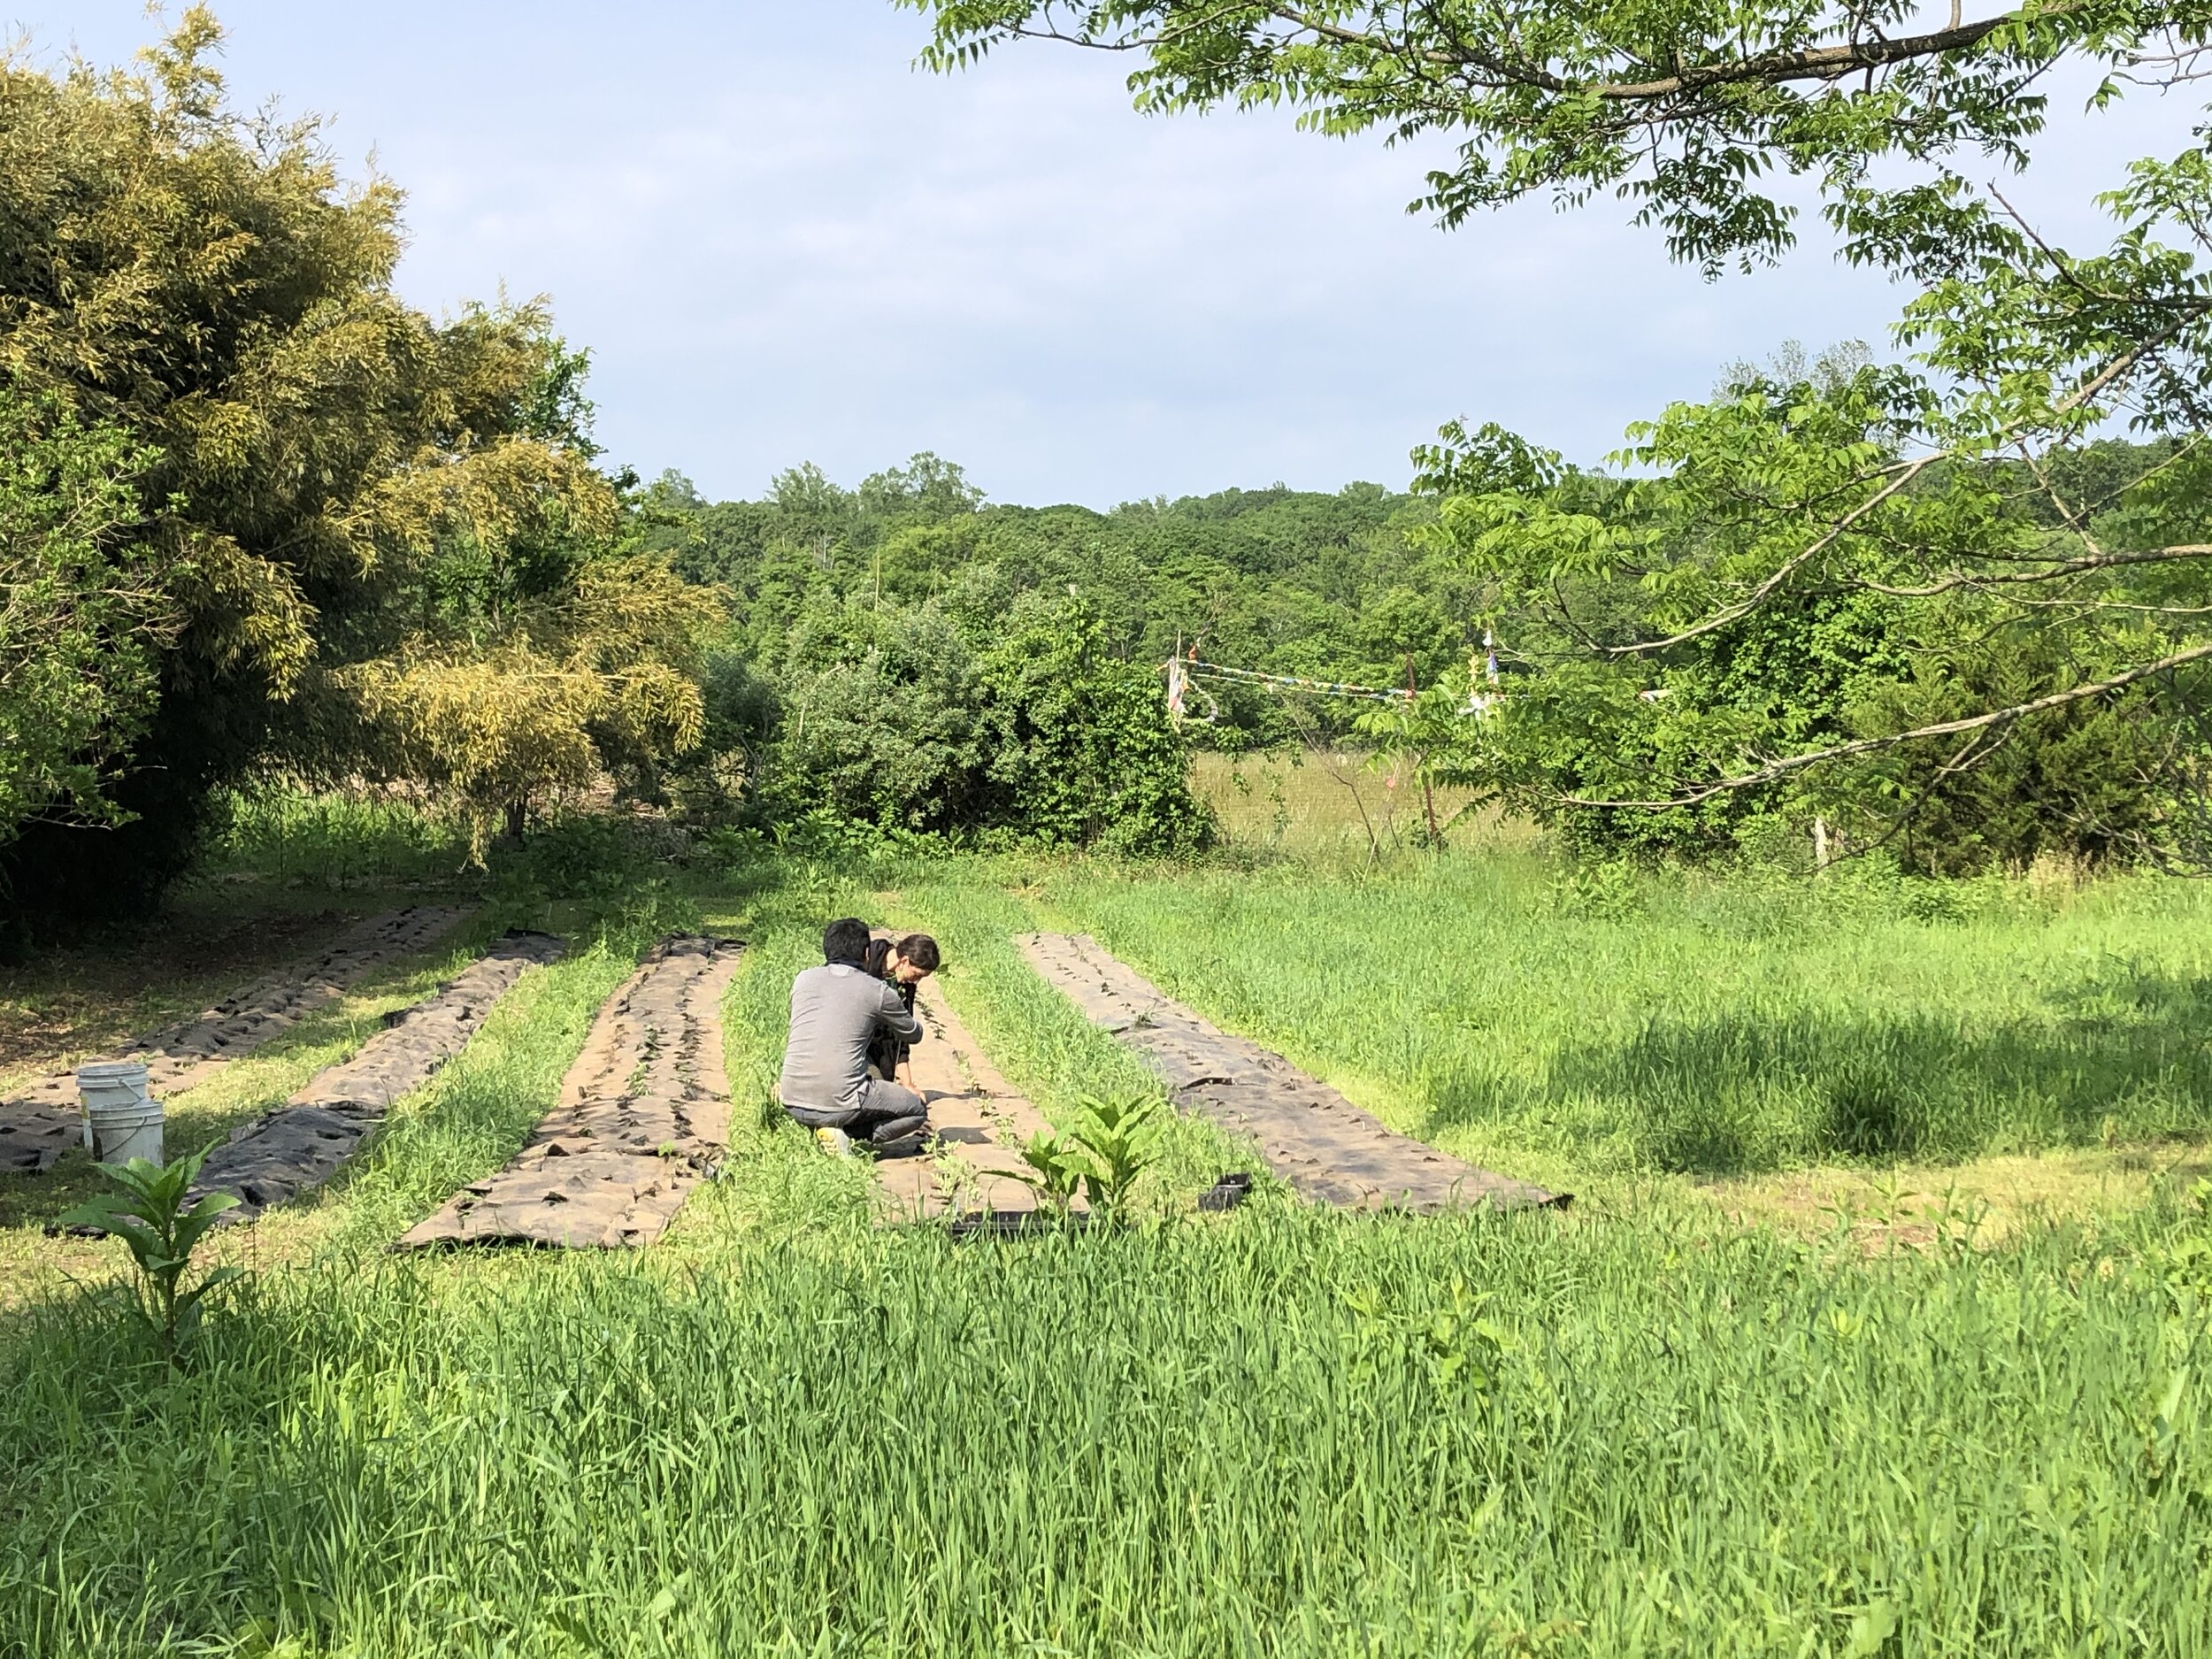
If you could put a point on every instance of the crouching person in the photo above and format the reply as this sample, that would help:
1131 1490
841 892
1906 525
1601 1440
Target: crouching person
902 965
840 1012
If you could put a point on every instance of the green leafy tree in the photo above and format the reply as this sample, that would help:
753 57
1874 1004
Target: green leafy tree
601 677
1929 506
1025 723
85 609
334 489
1080 741
1685 111
926 487
878 720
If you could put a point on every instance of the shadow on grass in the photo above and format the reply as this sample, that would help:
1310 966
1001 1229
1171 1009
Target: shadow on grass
35 1200
2120 1059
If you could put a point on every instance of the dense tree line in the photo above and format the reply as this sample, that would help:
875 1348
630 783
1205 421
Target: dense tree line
867 625
890 643
1325 584
1935 598
258 515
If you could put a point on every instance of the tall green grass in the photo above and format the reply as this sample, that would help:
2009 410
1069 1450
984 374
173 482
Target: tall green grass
1669 1024
1279 1431
1286 1433
333 838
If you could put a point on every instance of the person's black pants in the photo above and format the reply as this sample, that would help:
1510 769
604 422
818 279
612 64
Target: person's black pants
883 1103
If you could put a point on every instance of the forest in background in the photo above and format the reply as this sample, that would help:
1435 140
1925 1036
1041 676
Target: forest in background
863 621
861 618
263 523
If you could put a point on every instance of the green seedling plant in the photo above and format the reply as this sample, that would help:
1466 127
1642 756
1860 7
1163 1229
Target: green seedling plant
1055 1172
1120 1141
1457 1349
1111 1145
149 1216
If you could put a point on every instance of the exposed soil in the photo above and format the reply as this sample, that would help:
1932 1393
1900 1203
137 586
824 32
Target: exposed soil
93 997
644 1112
977 1121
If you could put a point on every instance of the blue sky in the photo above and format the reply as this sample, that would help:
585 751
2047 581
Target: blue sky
783 243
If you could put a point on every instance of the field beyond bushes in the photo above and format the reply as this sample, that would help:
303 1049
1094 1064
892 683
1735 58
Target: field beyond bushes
1641 1427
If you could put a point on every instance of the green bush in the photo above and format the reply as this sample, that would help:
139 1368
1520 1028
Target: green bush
894 718
1083 751
878 719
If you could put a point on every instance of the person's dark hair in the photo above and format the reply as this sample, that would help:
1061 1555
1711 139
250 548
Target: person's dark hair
921 950
846 940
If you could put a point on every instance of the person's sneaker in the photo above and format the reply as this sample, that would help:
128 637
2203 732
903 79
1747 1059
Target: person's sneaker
836 1142
897 1129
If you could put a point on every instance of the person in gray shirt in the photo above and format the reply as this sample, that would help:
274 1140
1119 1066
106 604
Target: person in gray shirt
837 1011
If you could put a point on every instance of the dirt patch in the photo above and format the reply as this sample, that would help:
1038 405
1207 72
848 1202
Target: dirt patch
644 1112
42 1118
977 1121
303 1143
1310 1135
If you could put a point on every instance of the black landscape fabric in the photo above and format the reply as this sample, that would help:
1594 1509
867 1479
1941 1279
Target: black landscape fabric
301 1144
642 1117
1310 1135
41 1122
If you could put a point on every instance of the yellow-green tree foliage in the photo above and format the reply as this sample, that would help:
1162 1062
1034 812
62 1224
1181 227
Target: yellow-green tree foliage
351 508
603 675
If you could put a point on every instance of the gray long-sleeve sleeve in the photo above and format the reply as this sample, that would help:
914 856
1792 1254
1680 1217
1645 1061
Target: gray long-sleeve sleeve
836 1011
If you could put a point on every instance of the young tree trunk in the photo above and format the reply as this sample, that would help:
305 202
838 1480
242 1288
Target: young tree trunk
517 812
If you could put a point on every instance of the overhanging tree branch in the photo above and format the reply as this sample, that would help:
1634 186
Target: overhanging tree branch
1758 595
1773 67
2052 572
1777 770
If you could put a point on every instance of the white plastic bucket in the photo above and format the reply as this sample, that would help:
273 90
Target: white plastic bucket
121 1120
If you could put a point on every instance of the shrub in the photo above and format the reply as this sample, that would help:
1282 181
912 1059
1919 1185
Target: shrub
1082 748
892 718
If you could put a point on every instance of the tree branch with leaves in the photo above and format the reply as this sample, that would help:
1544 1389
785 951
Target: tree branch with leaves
1780 605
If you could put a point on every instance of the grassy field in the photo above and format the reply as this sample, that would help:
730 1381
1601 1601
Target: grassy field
1650 1426
1321 806
1712 1029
